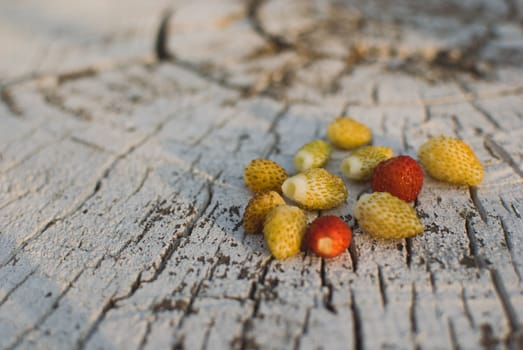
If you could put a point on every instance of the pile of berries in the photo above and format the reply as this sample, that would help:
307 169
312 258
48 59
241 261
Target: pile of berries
386 213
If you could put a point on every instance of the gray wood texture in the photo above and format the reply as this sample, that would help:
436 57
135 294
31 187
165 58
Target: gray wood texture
124 130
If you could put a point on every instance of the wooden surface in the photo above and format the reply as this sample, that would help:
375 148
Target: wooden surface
124 130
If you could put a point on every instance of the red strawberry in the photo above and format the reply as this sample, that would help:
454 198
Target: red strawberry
401 176
328 236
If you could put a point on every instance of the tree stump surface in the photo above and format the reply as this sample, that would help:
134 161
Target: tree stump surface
124 130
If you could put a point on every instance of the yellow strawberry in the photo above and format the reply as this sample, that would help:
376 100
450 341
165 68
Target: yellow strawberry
284 229
361 163
346 133
263 175
383 215
451 160
315 189
258 208
312 155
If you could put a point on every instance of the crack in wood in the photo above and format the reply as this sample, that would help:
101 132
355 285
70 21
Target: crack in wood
206 336
458 128
82 199
189 309
329 295
277 43
304 329
404 139
20 196
273 131
334 86
20 337
35 152
77 74
453 336
38 232
375 94
174 244
427 115
161 49
408 252
483 214
488 339
244 341
354 254
467 91
516 330
151 216
474 259
499 152
357 330
432 278
212 129
164 54
10 102
445 62
142 182
16 286
487 115
147 222
201 72
257 297
54 99
412 311
471 234
510 208
382 287
91 145
448 99
510 246
108 306
466 307
145 337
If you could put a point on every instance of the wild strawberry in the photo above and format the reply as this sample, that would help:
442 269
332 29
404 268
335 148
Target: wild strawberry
315 189
346 133
263 175
312 155
258 208
401 176
383 215
328 236
284 229
451 160
361 163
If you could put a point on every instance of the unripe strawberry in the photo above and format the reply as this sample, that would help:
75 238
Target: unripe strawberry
263 175
346 133
328 236
401 176
258 208
383 215
451 160
284 229
315 189
361 163
312 155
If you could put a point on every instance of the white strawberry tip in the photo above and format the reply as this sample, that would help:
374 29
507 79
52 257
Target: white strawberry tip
303 160
351 167
362 199
295 188
325 245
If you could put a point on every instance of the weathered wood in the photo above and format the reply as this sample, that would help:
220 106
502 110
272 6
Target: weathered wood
124 131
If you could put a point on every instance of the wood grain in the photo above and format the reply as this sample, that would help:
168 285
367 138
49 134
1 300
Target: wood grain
124 131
